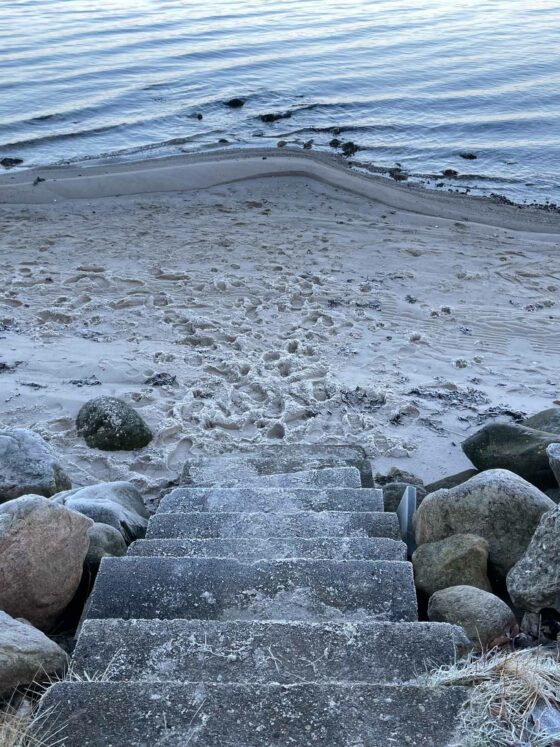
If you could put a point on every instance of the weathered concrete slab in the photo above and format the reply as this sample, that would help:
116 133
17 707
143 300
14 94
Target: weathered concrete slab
225 589
329 477
98 714
280 548
263 652
271 460
204 525
271 499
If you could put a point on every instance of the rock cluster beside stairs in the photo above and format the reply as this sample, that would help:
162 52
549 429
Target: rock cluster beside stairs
497 505
52 540
488 539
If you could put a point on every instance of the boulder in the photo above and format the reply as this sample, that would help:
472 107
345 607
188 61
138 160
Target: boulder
28 465
104 542
515 447
117 504
452 480
497 505
459 560
42 550
553 453
534 581
111 424
546 420
486 619
26 654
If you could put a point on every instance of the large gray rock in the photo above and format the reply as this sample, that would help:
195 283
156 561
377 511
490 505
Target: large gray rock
28 465
111 424
553 453
142 714
104 542
26 654
487 620
497 505
118 504
546 420
42 551
534 581
514 447
451 481
461 559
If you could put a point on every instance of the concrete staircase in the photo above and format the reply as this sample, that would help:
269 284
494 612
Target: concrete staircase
270 604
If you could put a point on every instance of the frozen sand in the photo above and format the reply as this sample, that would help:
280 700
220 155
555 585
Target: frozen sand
271 288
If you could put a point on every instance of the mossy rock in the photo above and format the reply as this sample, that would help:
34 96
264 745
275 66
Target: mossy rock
546 420
110 424
459 560
514 447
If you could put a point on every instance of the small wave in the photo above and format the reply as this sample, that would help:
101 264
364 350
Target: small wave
57 137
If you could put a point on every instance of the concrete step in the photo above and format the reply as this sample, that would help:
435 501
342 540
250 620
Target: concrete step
225 589
271 460
251 652
329 477
271 499
251 550
203 525
98 714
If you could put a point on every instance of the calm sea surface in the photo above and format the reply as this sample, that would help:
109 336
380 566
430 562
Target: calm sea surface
412 83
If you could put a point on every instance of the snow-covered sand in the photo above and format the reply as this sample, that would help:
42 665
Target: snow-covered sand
291 299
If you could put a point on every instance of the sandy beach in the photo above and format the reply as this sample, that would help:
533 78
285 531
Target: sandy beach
291 300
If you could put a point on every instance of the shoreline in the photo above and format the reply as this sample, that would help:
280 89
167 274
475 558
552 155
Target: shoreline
212 169
283 309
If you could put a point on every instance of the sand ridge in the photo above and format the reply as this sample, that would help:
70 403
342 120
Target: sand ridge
204 170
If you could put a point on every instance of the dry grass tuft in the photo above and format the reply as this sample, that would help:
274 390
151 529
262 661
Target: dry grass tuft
22 724
510 690
26 727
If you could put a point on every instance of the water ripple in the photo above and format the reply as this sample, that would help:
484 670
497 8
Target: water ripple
411 82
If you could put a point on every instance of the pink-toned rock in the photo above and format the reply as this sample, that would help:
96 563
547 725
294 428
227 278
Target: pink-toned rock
42 551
